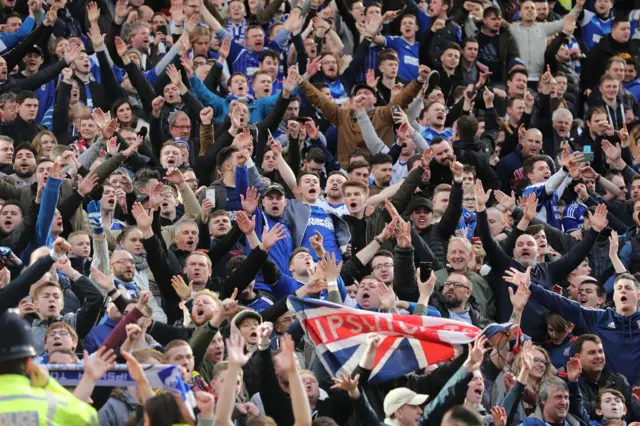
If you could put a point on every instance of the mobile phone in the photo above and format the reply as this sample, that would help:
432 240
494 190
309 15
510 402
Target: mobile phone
587 153
210 195
425 271
162 29
395 109
475 240
302 120
270 135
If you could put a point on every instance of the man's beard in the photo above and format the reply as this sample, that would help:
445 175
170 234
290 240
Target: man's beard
453 303
526 263
24 175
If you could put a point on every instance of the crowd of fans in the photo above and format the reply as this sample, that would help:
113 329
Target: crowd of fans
172 172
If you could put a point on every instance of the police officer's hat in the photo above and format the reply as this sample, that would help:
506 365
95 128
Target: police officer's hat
16 340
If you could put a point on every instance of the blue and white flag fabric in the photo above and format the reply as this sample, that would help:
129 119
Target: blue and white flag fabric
409 342
167 377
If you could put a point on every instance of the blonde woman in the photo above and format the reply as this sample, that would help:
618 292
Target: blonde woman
44 143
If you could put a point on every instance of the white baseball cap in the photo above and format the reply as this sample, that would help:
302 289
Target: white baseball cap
399 397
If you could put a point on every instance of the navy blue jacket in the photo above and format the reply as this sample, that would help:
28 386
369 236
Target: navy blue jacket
620 335
545 274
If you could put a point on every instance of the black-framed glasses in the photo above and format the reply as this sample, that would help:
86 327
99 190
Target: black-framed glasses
455 284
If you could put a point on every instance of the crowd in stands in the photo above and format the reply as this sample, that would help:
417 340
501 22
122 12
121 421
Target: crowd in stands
174 173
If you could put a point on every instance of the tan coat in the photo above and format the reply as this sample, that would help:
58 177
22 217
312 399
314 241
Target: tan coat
349 133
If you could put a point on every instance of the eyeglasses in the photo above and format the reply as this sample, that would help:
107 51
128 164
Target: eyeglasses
124 262
187 127
192 180
455 284
61 333
469 200
540 361
383 265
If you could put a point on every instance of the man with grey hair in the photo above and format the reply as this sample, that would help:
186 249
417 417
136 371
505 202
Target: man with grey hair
459 257
553 404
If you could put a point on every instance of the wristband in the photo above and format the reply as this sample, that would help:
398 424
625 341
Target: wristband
112 292
565 169
377 240
332 284
458 179
55 256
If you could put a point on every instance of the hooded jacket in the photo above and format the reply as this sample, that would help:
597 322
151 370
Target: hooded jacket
597 58
620 334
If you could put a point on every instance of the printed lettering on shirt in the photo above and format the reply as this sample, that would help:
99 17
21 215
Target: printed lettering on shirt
251 71
20 418
326 223
411 60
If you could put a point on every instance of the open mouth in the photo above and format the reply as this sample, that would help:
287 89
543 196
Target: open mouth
52 307
313 191
253 335
171 161
57 344
8 223
623 298
353 205
478 392
440 116
165 205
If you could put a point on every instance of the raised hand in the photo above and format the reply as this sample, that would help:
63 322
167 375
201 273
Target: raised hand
456 167
330 267
105 282
476 353
599 219
183 290
206 116
425 287
246 225
52 15
574 369
174 74
121 47
348 384
206 403
481 196
531 207
499 415
101 362
235 350
614 244
403 234
612 152
250 202
143 219
143 300
93 12
156 106
134 332
387 297
223 50
61 246
271 237
286 359
519 298
175 176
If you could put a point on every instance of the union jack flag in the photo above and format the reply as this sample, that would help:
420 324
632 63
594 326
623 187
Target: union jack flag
409 342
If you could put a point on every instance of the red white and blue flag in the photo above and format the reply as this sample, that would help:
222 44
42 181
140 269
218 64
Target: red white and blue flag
409 342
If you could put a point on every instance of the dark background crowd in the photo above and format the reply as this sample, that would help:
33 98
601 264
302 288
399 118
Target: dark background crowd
172 172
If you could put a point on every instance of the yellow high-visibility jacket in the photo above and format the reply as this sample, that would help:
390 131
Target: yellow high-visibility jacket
22 404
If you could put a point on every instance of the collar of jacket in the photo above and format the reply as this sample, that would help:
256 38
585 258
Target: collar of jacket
47 322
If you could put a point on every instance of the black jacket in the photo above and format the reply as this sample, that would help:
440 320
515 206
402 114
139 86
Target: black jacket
437 236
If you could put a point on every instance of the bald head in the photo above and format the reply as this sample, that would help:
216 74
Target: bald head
496 220
531 142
